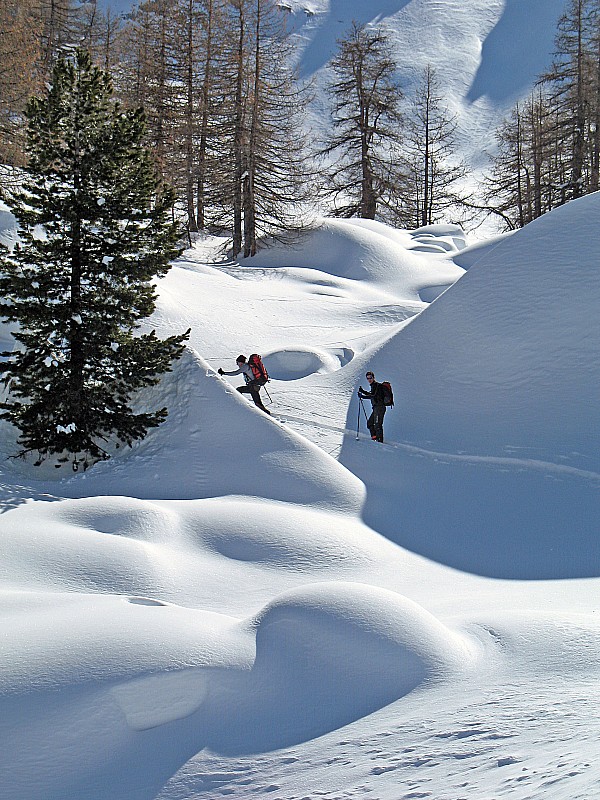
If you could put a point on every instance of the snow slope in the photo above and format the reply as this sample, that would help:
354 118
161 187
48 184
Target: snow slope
243 605
487 53
502 373
518 367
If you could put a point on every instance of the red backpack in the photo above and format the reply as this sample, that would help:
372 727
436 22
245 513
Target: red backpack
258 368
388 395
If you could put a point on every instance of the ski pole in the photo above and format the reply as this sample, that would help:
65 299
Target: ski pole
363 408
361 405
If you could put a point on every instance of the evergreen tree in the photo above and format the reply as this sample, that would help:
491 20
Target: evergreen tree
94 234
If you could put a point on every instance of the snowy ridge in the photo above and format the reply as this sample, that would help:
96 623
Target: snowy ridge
226 608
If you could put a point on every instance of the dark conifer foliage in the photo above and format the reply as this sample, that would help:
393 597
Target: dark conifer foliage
94 233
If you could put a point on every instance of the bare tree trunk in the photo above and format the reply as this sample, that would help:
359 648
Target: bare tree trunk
238 177
595 126
249 198
579 133
203 143
189 120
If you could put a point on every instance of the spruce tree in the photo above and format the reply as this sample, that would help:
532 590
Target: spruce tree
94 232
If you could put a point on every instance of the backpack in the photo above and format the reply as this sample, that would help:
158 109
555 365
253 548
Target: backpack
258 368
388 395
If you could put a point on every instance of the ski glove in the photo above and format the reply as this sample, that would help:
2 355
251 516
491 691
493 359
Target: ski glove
220 371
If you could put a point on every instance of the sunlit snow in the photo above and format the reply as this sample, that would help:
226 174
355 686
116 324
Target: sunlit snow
243 604
248 606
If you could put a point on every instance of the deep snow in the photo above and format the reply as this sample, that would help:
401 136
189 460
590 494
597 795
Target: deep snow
249 606
242 605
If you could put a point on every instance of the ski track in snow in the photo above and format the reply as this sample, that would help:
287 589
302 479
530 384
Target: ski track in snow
212 614
317 431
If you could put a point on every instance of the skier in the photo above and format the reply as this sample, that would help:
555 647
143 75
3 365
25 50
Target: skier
376 394
252 384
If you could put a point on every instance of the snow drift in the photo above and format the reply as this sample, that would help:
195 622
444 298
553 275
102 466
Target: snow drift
505 359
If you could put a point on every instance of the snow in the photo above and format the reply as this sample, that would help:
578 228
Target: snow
487 54
243 604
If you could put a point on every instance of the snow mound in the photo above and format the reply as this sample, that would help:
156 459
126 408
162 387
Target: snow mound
329 653
60 640
439 239
474 253
362 250
153 552
291 364
350 627
326 654
506 360
200 453
276 535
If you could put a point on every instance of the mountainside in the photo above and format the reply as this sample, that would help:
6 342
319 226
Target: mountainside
487 53
244 604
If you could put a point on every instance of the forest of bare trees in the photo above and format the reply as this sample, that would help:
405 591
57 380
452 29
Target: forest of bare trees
549 146
224 116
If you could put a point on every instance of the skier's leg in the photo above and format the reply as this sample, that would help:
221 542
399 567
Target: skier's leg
371 425
253 389
379 414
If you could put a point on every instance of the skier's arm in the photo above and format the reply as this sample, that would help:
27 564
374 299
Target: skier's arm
234 372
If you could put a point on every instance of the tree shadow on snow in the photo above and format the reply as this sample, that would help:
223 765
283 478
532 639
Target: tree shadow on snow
324 44
517 49
13 495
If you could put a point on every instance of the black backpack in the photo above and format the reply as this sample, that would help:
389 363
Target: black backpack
258 368
388 395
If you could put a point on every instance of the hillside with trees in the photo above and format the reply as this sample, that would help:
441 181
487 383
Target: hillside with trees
229 120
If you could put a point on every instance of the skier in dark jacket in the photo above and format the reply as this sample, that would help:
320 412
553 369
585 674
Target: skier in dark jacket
252 384
376 395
